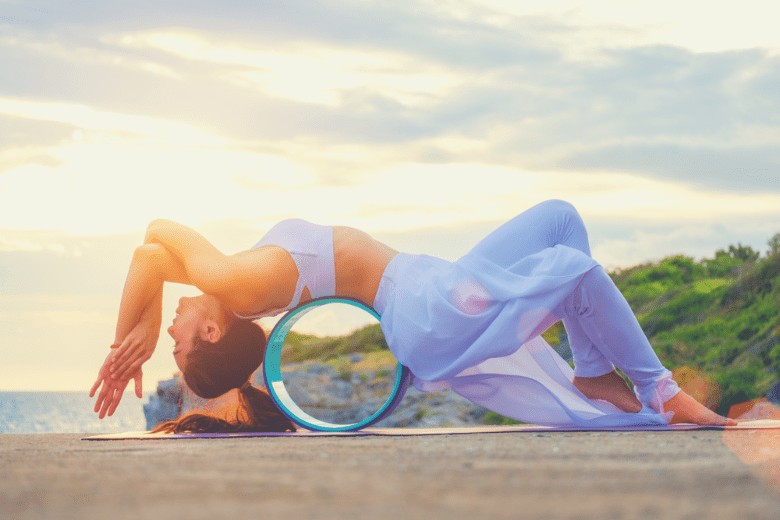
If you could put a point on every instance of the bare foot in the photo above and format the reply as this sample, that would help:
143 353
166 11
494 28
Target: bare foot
609 387
688 410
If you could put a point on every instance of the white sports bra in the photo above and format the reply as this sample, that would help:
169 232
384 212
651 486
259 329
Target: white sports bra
311 248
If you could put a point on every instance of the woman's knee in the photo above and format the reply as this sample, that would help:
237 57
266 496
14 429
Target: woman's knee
559 207
595 289
565 224
567 213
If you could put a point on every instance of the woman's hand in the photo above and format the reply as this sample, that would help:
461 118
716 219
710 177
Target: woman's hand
112 389
135 349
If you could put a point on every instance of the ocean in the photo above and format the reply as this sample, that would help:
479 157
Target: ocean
66 412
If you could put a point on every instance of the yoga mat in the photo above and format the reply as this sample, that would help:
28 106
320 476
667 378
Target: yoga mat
763 424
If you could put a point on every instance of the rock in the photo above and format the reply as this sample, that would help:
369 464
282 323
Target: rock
165 404
325 393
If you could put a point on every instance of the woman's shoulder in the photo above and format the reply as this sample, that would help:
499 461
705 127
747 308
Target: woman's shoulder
263 279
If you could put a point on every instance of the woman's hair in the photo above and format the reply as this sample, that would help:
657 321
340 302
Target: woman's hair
212 369
255 412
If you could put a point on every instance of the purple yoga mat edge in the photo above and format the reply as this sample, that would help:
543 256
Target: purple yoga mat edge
406 432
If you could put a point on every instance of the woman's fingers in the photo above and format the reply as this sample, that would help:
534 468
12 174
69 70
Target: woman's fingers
130 366
121 363
111 394
117 398
106 403
112 386
114 397
139 391
102 374
101 396
122 351
129 357
95 386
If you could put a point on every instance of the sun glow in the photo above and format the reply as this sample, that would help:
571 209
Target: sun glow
308 73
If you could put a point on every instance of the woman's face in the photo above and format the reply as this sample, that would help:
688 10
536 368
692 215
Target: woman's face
193 317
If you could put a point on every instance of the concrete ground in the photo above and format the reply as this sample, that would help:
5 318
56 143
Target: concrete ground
588 475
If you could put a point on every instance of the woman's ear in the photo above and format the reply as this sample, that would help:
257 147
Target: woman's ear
210 331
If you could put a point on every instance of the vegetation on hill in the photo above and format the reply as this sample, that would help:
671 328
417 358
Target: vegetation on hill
300 348
374 357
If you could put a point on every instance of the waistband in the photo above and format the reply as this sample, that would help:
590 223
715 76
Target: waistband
387 283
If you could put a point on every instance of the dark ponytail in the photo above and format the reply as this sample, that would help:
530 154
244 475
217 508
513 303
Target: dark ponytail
261 410
255 411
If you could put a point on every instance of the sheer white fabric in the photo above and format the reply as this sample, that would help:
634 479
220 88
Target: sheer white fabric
534 385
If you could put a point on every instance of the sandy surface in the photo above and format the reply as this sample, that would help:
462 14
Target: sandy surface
590 475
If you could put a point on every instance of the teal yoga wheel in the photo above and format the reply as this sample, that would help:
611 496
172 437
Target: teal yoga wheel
272 372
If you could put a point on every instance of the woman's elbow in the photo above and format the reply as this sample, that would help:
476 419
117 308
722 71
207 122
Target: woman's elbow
150 254
156 229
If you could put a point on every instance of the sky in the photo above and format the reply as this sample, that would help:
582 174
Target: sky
425 123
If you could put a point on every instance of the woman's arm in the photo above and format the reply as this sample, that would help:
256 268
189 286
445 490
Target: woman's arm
152 265
203 265
175 253
171 253
138 324
243 282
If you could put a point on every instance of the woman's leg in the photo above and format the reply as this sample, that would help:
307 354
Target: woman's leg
603 332
548 224
606 318
545 225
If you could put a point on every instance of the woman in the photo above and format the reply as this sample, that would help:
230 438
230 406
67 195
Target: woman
458 324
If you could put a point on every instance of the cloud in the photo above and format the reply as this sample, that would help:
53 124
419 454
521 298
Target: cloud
20 132
405 83
44 262
746 169
429 28
624 242
28 141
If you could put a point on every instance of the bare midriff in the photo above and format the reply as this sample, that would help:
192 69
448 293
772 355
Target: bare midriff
360 261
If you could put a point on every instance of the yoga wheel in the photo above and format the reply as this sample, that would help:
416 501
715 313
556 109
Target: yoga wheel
283 390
